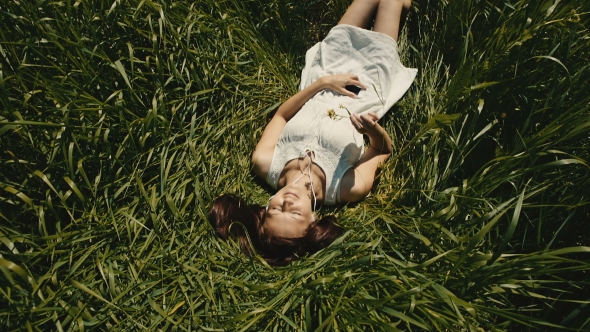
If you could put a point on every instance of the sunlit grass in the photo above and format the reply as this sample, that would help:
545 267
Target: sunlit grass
121 121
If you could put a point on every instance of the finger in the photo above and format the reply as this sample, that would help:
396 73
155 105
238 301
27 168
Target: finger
348 93
367 120
374 116
355 122
357 83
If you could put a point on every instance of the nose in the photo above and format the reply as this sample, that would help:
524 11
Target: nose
288 200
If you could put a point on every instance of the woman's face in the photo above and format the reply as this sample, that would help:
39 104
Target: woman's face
289 212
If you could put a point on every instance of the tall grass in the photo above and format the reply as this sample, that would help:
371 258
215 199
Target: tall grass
121 121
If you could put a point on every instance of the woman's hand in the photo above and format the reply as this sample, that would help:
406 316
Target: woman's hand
365 123
338 83
378 138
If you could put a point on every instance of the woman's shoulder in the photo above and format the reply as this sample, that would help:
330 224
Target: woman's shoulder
262 161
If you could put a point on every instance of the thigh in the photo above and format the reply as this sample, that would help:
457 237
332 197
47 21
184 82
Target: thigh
390 17
360 13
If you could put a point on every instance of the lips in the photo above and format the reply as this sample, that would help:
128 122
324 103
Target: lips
290 193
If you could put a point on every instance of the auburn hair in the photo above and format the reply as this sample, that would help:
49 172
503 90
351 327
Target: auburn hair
232 216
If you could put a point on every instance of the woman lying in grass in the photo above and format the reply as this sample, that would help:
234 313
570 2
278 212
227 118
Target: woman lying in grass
312 150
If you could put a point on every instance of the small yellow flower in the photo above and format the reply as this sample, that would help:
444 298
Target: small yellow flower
331 114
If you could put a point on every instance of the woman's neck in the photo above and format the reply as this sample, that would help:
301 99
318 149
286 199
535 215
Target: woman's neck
296 170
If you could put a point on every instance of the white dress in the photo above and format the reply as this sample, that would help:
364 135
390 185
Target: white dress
335 144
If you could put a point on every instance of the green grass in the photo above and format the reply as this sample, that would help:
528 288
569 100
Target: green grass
120 121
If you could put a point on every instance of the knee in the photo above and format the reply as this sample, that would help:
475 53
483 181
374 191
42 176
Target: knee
373 3
406 4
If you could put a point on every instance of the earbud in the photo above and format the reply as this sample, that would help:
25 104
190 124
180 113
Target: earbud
268 202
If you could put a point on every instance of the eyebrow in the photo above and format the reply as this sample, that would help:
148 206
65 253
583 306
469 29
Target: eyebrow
292 215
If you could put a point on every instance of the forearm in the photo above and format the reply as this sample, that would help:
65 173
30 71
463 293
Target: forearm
379 140
290 107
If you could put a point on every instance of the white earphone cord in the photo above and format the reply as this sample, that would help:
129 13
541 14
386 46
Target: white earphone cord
308 170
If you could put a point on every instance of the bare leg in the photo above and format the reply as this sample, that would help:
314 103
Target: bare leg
360 13
389 18
391 15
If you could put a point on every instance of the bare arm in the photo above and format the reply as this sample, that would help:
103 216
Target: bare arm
358 181
262 155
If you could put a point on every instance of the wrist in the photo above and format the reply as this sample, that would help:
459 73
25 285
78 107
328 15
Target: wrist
376 133
322 83
379 140
381 149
